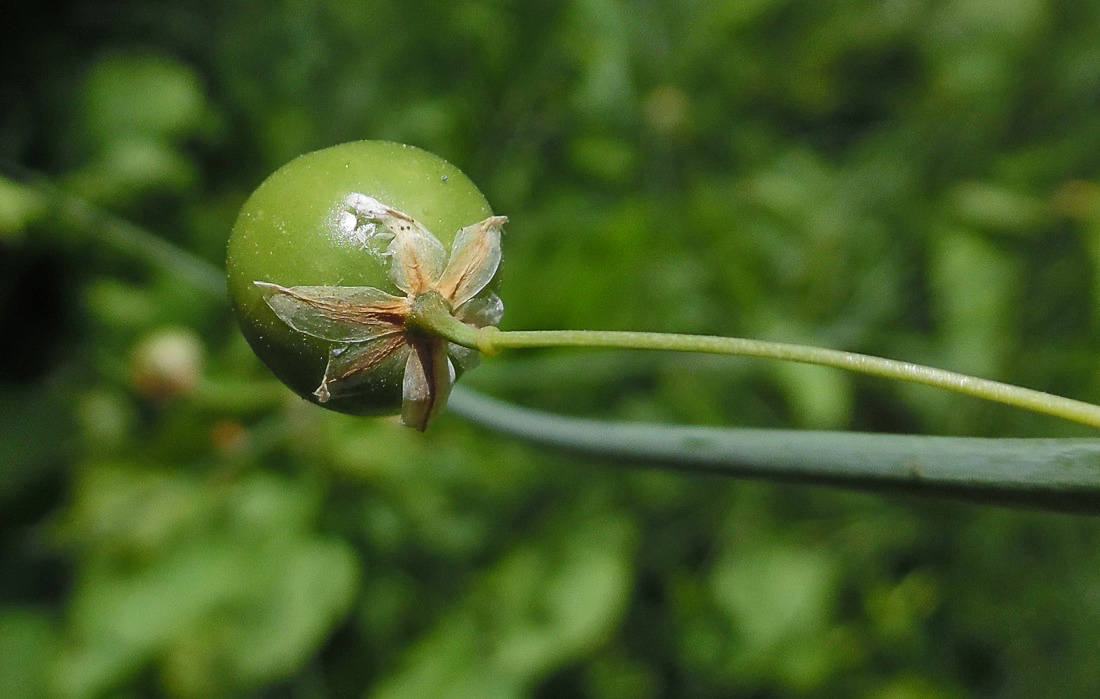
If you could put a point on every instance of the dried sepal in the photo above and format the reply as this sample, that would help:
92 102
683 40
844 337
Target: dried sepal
349 365
429 376
475 257
481 311
416 256
372 325
336 313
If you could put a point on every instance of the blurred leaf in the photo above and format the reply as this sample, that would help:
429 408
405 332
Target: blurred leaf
36 428
991 207
234 598
821 398
141 97
604 159
541 606
28 643
297 593
976 285
780 602
20 206
129 169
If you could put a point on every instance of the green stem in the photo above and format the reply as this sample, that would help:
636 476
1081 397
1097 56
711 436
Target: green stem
125 237
1061 474
432 314
136 242
491 340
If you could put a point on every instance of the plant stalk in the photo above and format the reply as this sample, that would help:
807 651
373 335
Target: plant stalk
1052 474
491 340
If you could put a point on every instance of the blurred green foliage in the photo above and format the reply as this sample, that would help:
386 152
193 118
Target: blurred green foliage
913 179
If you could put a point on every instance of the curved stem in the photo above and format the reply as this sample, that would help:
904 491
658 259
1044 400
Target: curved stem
1061 474
492 340
128 238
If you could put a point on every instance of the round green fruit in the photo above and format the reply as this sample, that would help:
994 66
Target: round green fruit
288 234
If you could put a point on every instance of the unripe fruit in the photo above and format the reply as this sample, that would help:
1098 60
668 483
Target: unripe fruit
294 231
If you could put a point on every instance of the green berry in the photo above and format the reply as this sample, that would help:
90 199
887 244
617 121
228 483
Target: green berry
290 233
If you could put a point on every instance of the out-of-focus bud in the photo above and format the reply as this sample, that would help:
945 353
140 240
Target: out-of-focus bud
167 364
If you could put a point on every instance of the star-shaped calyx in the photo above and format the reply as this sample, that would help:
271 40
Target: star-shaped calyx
372 327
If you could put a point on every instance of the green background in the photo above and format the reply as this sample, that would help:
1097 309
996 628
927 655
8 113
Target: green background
912 179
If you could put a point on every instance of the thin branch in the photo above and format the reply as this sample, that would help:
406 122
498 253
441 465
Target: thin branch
493 340
129 239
